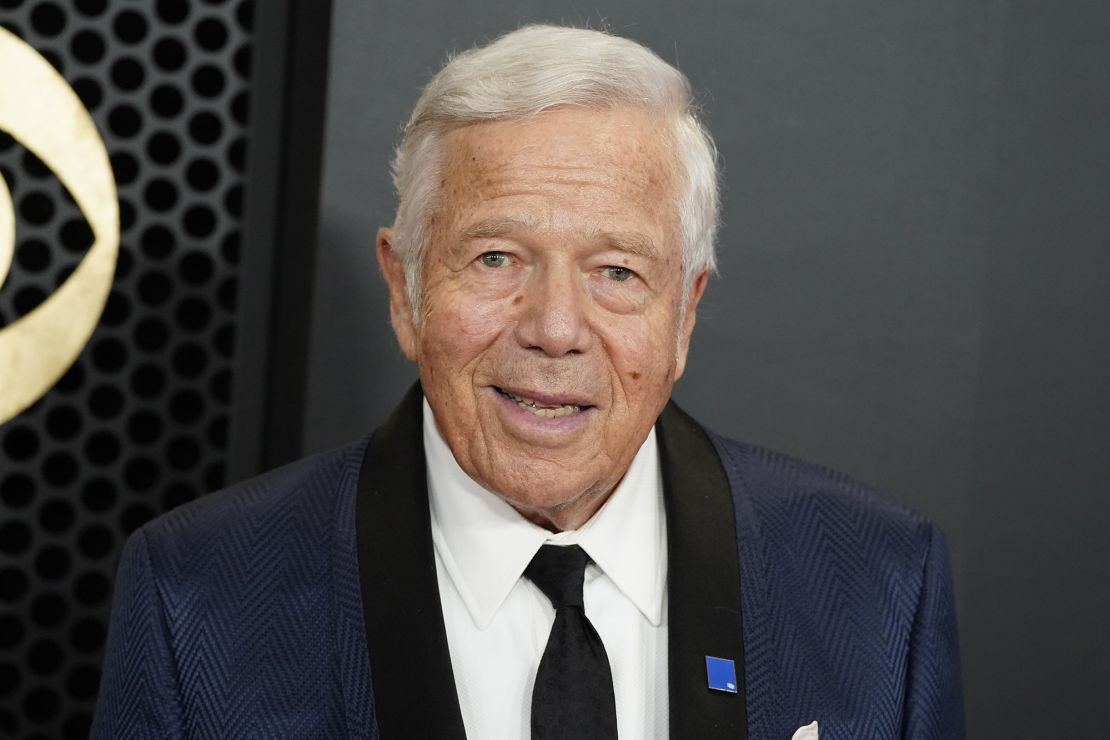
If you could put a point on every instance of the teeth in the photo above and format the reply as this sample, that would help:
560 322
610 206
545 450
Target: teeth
549 412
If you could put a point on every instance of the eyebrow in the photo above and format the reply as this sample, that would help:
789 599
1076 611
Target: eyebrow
624 241
630 241
495 228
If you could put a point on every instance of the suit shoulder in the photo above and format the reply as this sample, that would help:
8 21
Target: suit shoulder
779 486
307 489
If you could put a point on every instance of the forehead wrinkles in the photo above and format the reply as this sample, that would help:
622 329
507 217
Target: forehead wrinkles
625 155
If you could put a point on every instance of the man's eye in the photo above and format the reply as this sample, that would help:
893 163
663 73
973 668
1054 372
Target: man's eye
617 274
495 259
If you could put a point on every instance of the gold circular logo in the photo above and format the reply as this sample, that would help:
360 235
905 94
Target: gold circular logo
40 110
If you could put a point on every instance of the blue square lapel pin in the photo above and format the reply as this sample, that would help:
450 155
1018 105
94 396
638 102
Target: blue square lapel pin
721 673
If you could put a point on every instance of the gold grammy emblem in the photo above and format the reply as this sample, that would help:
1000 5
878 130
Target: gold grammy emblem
40 110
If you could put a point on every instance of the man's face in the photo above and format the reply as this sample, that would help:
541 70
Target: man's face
552 285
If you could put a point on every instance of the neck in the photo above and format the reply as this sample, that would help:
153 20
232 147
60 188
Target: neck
566 516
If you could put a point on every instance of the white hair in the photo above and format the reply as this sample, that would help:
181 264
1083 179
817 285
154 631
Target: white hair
526 72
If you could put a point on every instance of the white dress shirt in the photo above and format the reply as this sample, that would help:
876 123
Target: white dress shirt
498 621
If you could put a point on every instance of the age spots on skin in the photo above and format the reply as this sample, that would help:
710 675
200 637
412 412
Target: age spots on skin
634 375
517 300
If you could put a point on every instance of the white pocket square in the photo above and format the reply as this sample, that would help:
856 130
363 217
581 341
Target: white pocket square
809 732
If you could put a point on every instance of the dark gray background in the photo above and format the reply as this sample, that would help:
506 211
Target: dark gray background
914 289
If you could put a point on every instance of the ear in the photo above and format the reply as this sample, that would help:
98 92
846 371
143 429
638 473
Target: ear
400 312
696 291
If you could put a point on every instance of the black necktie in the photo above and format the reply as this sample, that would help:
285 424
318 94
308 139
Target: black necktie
573 693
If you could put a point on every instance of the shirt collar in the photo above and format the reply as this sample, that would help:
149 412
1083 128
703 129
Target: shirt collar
485 545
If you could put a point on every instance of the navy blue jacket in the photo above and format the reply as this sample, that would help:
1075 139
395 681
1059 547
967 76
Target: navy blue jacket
303 603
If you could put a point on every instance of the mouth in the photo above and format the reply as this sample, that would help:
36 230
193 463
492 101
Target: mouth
548 408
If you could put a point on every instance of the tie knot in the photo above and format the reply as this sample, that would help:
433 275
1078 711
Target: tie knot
559 573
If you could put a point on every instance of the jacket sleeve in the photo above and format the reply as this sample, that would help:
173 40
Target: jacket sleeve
934 698
138 687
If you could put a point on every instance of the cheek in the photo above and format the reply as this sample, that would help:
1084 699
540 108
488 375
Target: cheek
456 332
643 359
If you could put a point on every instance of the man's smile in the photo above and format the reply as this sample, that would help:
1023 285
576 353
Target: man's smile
539 408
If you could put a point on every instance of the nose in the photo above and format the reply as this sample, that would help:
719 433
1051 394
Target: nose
553 317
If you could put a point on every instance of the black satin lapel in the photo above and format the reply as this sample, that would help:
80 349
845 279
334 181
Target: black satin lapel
703 582
410 664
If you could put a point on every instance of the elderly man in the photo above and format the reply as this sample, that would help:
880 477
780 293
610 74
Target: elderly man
538 543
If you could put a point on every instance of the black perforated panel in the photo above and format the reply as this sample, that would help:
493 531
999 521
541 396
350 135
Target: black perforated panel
139 424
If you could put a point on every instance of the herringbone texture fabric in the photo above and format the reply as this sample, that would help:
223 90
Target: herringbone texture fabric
848 608
239 616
